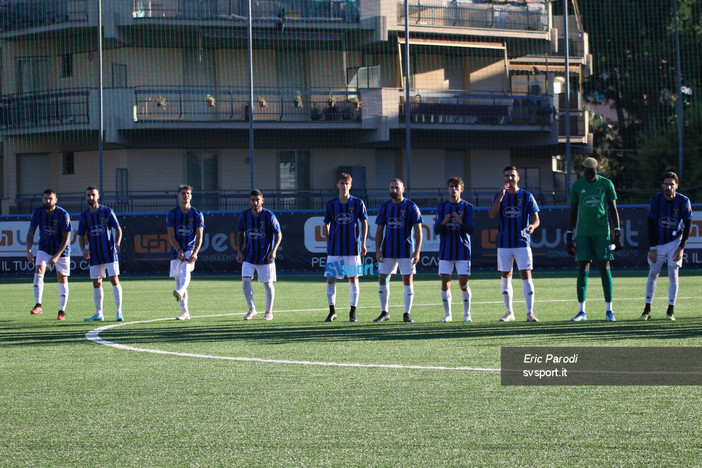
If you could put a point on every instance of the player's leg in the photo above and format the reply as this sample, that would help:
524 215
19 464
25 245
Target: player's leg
505 264
387 268
528 293
465 296
408 296
651 282
38 285
673 271
606 276
267 276
183 299
445 271
331 285
353 270
581 289
96 275
247 272
116 292
62 280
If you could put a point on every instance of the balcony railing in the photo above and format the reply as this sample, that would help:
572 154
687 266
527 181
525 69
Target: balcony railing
474 108
201 104
578 124
25 14
464 14
237 10
50 108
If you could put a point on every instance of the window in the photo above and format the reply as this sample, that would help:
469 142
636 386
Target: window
294 175
32 74
66 65
530 179
119 75
363 77
202 174
68 164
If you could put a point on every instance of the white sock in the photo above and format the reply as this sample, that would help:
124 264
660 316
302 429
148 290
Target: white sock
248 292
528 291
184 301
383 292
446 299
354 290
507 293
63 295
409 298
608 305
270 296
97 299
465 297
581 306
673 286
38 287
117 294
331 293
184 276
651 281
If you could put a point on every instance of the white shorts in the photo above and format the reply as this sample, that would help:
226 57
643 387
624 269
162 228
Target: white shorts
339 266
175 265
389 266
666 252
462 267
63 264
506 258
265 272
98 271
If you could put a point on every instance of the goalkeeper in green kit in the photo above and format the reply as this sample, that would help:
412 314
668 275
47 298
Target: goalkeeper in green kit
589 198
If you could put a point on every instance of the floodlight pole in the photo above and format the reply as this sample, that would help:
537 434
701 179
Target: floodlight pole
566 59
408 144
251 100
100 85
678 83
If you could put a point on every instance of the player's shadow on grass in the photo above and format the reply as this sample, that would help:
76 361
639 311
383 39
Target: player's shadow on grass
563 334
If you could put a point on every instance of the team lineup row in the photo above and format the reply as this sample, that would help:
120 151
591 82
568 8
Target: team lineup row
398 241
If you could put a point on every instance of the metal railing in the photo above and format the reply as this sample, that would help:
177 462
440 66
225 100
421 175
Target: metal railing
511 16
211 104
237 10
43 109
24 14
479 108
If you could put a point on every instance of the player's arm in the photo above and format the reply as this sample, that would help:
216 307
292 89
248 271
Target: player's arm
379 235
241 242
467 223
652 239
534 222
418 237
683 239
364 236
118 238
495 208
82 241
174 243
199 231
274 250
65 239
572 220
30 241
614 216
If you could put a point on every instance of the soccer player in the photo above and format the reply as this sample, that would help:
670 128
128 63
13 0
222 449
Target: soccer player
589 198
454 225
669 220
397 246
259 237
519 216
96 225
185 226
344 250
54 249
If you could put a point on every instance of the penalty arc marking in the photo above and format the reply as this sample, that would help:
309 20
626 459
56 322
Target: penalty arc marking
94 336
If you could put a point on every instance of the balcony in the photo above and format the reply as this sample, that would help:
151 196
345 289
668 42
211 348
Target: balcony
496 109
217 104
22 15
237 10
515 16
579 125
30 111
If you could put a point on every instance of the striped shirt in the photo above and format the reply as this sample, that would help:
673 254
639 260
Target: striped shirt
51 229
669 216
99 225
399 221
343 218
515 211
185 226
454 242
260 233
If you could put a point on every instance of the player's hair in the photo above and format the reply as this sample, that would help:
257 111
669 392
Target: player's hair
91 188
510 168
455 181
256 193
398 180
50 192
343 177
184 187
671 175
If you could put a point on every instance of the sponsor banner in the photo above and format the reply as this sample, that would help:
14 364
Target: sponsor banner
145 246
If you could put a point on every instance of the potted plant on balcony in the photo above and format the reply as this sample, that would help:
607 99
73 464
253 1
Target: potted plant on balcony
315 113
331 100
298 100
211 101
161 102
262 101
355 101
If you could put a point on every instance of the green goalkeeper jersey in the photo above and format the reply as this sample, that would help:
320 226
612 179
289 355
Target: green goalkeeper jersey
592 199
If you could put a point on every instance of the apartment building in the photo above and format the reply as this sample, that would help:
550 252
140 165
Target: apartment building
172 98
